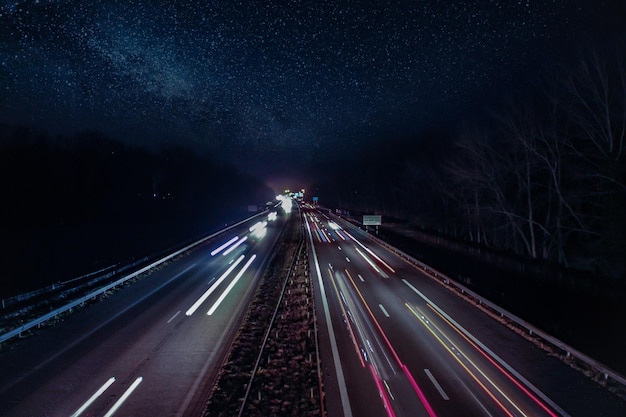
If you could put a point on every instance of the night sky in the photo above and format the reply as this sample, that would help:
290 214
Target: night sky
274 86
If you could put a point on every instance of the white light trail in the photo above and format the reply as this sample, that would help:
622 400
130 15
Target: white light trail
257 226
488 351
341 381
258 230
286 204
208 292
458 355
230 286
235 246
94 397
372 264
370 252
225 245
124 397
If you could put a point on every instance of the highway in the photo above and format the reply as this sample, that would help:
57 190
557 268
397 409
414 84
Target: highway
152 348
395 342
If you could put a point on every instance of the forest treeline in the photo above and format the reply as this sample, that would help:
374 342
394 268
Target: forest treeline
544 179
74 204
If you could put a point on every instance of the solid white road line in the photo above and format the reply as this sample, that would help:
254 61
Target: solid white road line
94 397
341 381
124 397
498 359
436 384
208 292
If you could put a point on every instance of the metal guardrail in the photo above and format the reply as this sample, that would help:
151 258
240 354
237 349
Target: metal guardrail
570 352
68 307
21 298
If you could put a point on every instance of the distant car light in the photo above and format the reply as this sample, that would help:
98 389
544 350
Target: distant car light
258 230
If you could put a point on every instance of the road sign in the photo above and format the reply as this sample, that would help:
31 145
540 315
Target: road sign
371 220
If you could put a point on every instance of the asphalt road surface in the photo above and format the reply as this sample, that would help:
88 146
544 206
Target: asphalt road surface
150 349
395 342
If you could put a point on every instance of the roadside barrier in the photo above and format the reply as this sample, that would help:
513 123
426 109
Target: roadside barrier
68 307
602 372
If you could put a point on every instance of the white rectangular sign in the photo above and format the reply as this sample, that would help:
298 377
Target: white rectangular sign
371 220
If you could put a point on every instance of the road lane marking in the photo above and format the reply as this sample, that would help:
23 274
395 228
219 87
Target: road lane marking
479 402
347 259
361 278
173 317
496 358
341 382
93 330
349 320
231 285
436 384
94 397
406 371
430 327
208 292
124 397
383 309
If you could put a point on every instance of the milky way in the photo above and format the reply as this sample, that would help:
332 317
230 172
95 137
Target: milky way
264 80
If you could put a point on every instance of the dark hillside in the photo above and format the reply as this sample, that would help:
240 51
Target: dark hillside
75 205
